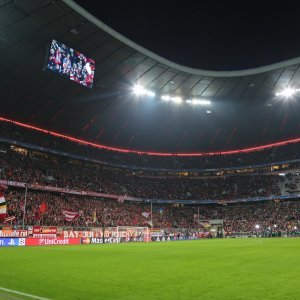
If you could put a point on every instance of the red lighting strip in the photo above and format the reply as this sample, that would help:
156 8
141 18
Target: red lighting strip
99 146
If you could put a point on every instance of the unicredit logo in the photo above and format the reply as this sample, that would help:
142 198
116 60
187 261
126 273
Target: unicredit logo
53 241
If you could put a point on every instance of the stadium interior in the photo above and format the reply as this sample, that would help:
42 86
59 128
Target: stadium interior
136 140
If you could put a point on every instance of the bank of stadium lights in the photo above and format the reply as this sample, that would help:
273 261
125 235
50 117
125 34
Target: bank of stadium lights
175 99
196 101
287 93
138 90
178 100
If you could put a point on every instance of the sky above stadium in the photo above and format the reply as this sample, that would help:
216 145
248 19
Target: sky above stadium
211 35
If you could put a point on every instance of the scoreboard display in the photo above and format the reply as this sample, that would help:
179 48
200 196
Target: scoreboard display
70 63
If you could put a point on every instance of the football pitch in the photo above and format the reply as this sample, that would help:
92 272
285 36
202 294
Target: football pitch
203 269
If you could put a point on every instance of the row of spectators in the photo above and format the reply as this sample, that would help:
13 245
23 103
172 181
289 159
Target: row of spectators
263 216
46 169
283 153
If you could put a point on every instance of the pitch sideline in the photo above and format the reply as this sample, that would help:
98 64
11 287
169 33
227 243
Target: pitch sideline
23 294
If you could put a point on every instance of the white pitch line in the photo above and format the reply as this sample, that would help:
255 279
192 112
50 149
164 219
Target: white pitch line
23 294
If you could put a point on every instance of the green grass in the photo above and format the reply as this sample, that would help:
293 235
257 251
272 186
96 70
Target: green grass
205 269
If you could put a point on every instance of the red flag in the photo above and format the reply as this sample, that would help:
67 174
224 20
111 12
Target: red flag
43 208
3 187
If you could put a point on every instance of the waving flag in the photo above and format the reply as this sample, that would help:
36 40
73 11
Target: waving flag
145 214
9 219
121 198
3 187
94 217
3 206
69 215
43 208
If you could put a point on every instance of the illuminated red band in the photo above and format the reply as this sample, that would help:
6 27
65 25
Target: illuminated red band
99 146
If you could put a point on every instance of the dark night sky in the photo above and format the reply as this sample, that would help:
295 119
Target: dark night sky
211 35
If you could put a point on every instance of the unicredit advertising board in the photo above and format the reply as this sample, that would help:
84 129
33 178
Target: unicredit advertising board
52 241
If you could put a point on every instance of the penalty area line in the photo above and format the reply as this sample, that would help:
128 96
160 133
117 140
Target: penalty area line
23 294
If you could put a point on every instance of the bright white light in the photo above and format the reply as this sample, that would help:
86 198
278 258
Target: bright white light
287 93
150 93
196 101
257 226
281 174
208 111
176 99
166 97
140 91
275 225
295 227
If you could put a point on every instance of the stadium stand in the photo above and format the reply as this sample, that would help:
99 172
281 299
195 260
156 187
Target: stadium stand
30 166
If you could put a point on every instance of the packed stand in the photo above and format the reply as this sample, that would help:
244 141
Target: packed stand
40 168
275 216
45 208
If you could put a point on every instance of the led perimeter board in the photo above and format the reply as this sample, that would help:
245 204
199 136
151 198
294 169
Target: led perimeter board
70 63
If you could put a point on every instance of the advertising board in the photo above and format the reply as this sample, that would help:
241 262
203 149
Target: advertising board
9 242
51 241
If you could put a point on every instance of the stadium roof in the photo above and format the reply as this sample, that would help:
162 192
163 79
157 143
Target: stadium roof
244 110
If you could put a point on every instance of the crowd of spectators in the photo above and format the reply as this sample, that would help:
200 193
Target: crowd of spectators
250 218
36 167
275 154
46 169
106 212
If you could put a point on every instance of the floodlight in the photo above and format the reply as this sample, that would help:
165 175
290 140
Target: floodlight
139 91
150 93
196 101
176 99
287 92
257 226
166 97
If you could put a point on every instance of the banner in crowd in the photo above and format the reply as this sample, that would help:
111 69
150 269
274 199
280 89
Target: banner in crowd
13 233
12 242
81 234
44 230
3 205
52 241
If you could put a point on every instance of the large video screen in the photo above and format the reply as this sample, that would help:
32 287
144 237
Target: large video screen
70 63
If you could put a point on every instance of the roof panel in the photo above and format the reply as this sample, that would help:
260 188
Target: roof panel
50 101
